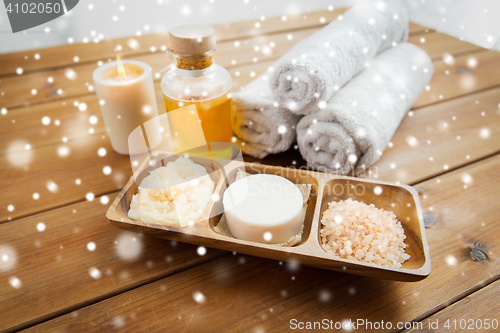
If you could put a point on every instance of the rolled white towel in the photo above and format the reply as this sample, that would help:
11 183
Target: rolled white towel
264 126
357 123
320 64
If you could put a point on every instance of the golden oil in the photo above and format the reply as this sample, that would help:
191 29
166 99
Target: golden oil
194 79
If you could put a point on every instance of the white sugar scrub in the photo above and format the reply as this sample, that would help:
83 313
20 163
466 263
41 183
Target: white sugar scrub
356 231
176 194
264 208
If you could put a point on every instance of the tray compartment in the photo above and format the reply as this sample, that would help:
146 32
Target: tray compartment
294 175
396 198
120 215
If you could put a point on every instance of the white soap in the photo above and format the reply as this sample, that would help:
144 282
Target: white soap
263 208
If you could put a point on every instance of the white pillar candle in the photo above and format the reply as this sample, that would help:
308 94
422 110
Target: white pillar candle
127 99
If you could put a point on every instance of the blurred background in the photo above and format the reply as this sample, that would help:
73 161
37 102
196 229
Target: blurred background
476 21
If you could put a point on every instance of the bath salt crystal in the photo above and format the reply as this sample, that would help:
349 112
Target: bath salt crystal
366 233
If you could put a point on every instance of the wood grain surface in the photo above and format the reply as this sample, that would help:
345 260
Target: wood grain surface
479 311
75 123
401 145
58 284
63 56
76 80
83 162
58 259
442 137
268 294
468 73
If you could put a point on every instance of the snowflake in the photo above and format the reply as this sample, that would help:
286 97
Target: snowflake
133 44
467 179
8 258
104 199
63 151
186 10
82 106
293 266
118 322
128 247
201 250
52 186
412 141
484 133
325 296
472 62
15 282
451 260
268 236
448 59
91 246
199 297
95 273
70 74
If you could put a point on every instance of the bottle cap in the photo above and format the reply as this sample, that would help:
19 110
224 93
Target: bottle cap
192 39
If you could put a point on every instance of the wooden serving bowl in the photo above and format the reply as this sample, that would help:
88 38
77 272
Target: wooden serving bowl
401 199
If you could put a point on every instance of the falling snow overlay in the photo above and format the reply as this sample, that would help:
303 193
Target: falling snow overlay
60 175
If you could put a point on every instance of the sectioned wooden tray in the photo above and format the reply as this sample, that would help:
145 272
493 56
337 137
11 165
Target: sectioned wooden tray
401 199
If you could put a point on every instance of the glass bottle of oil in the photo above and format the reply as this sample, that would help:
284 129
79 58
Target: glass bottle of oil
194 78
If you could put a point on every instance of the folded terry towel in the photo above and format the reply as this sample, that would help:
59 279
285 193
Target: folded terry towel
358 122
258 119
320 64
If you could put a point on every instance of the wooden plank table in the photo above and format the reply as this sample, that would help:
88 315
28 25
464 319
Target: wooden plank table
64 268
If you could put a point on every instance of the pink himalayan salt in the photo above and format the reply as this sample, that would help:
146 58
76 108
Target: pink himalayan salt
360 232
